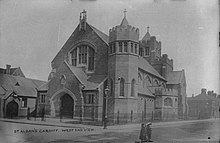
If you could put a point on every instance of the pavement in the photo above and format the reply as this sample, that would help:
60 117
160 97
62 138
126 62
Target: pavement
68 123
172 131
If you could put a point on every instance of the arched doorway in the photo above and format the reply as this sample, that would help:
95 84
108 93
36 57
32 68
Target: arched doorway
12 109
67 106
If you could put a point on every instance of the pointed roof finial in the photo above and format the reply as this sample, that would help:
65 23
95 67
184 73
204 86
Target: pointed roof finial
125 12
84 11
148 29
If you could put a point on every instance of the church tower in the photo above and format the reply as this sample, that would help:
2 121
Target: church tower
150 49
123 67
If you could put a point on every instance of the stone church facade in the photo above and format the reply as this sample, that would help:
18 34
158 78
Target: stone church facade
93 71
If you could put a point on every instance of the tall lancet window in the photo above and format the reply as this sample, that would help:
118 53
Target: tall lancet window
120 46
122 87
133 87
147 51
125 46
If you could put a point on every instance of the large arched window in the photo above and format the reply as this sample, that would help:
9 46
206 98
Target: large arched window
133 87
168 102
122 87
83 55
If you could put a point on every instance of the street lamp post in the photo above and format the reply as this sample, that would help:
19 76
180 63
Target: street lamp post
106 105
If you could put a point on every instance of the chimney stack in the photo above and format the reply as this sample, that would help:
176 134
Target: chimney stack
8 67
203 90
192 95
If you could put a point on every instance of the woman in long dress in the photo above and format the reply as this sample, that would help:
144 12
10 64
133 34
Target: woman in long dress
143 133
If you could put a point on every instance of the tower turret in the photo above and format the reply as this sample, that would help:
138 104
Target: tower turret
123 65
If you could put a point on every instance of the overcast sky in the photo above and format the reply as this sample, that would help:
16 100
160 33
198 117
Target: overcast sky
33 31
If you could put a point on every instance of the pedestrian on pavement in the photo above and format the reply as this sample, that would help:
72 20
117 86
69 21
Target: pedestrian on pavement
143 135
28 113
148 132
42 114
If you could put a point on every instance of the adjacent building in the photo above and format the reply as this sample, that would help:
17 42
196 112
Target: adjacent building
17 93
204 105
129 76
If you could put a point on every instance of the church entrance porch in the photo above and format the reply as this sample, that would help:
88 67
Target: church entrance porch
12 109
63 104
67 106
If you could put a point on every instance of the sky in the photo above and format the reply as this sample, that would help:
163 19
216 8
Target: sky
32 32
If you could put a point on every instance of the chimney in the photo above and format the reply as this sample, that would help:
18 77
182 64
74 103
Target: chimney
8 67
203 90
214 95
192 95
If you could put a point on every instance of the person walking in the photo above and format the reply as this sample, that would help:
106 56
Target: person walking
143 135
148 132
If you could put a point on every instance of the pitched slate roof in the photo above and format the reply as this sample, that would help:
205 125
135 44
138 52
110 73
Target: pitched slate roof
102 35
13 71
175 77
146 37
95 81
2 90
90 82
144 65
43 87
124 22
78 72
20 85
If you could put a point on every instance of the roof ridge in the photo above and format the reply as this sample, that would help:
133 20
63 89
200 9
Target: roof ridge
96 31
156 72
74 72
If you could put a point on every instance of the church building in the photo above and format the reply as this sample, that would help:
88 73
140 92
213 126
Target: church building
117 76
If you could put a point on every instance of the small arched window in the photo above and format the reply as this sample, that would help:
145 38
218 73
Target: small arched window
139 78
149 81
122 87
156 82
133 87
63 80
147 51
141 51
145 82
168 102
163 84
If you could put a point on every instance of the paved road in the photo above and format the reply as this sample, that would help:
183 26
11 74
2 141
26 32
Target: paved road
196 131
